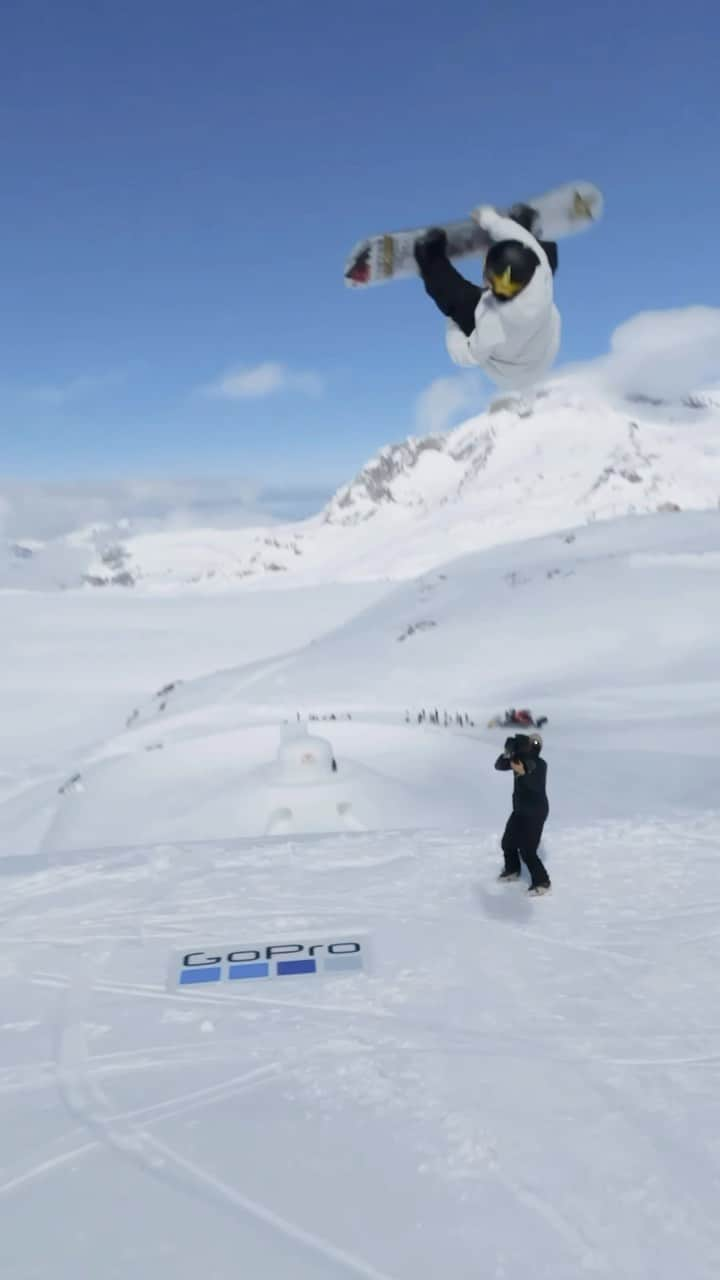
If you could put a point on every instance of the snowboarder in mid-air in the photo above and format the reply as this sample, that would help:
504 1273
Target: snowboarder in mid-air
524 827
510 326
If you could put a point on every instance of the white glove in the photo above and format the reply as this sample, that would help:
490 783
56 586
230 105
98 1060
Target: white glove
480 213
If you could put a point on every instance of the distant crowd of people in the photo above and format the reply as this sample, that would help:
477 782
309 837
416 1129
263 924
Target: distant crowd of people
458 719
332 716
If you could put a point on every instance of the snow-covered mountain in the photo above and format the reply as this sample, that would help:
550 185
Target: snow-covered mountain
519 470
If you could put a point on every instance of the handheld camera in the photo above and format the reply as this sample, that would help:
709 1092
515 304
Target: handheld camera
521 747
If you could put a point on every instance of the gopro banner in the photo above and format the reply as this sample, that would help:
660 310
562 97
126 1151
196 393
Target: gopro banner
263 960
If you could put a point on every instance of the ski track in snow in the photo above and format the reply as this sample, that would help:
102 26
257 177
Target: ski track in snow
85 917
86 1100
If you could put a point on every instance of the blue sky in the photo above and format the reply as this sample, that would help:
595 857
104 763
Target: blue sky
181 184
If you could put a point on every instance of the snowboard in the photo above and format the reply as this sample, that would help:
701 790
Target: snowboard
562 212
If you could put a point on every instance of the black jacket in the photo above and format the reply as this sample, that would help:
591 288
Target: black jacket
529 793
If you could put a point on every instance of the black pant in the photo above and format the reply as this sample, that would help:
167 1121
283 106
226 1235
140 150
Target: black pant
521 838
452 294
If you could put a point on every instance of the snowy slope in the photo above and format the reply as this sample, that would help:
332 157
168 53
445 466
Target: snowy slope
518 1087
517 471
73 664
613 631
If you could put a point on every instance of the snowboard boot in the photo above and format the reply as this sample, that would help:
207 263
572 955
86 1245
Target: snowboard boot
430 247
537 890
505 876
524 215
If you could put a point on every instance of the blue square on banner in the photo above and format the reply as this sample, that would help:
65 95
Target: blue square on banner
249 971
200 975
296 966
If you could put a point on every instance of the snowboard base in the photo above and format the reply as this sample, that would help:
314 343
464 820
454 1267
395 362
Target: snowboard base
562 212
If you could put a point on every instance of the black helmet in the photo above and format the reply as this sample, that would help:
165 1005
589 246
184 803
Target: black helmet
509 266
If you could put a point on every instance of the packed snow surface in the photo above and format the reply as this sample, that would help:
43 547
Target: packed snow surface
516 1088
516 1083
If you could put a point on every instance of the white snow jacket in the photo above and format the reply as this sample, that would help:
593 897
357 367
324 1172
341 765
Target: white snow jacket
515 342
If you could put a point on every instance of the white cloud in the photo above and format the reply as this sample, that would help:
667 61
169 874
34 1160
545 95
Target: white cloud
663 354
448 400
264 380
40 511
74 389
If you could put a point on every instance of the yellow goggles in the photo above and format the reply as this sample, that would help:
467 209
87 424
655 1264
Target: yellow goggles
504 285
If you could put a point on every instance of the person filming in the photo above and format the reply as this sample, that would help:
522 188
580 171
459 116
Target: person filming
524 827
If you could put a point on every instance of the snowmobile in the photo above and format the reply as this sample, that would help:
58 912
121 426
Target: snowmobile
521 719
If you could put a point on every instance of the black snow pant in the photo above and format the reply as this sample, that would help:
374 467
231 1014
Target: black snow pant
521 838
452 294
